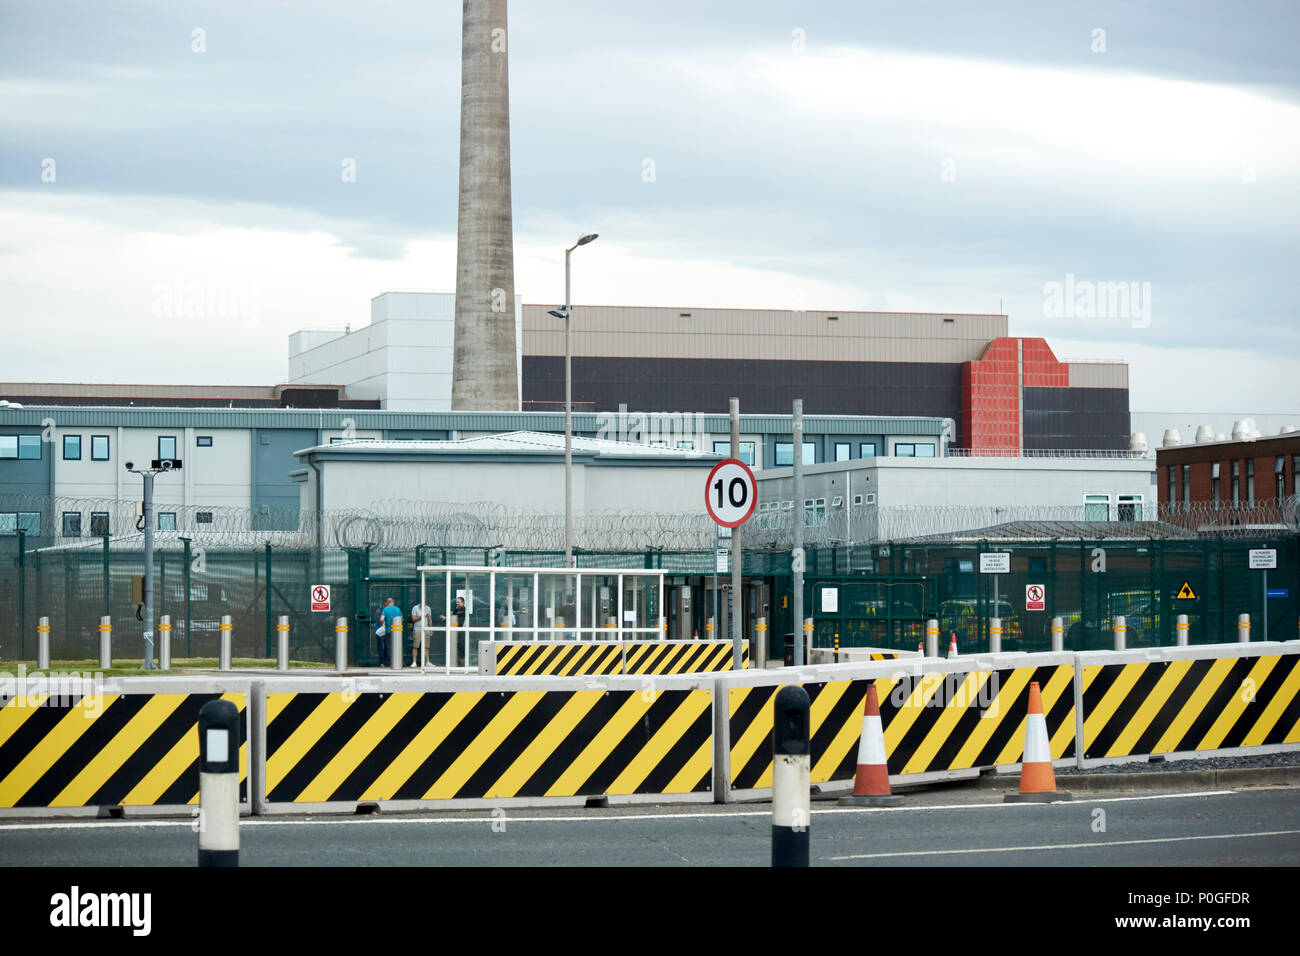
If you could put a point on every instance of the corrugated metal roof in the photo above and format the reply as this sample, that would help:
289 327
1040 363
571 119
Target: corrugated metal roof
512 443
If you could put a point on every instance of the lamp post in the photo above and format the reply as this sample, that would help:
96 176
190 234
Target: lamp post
565 312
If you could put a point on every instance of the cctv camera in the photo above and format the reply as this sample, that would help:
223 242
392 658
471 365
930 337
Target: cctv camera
167 464
130 466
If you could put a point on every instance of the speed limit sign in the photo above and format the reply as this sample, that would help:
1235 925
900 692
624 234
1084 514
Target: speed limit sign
730 493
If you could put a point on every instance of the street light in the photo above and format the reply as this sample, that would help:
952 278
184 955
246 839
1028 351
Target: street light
565 312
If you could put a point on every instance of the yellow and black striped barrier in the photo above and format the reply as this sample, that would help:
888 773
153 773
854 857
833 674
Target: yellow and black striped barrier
103 749
582 658
485 744
933 722
1190 704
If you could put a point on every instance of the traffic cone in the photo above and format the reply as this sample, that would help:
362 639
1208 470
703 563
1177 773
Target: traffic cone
952 645
1037 782
871 783
920 648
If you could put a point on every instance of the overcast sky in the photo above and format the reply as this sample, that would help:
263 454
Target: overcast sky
904 156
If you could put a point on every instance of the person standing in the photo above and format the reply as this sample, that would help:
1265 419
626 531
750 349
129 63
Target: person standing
421 622
390 613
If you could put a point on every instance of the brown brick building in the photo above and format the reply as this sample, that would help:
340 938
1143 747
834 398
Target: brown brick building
1229 475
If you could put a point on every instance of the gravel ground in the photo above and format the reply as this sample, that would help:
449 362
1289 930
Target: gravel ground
1288 759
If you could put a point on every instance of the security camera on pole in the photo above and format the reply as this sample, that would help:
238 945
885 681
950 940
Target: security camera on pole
157 466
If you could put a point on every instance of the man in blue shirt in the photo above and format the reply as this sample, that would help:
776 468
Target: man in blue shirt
387 615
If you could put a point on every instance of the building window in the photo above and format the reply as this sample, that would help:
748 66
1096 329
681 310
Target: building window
99 448
1096 507
1279 478
686 445
810 453
1236 483
203 517
203 441
72 524
843 450
784 453
99 523
166 446
1130 507
1295 471
914 450
746 451
8 446
1187 487
857 499
1214 484
867 449
1250 482
166 521
28 522
1172 494
72 448
29 447
925 450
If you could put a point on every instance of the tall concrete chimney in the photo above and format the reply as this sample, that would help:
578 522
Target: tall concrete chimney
485 376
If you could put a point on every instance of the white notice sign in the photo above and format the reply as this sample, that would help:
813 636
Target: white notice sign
830 600
995 562
722 561
1263 559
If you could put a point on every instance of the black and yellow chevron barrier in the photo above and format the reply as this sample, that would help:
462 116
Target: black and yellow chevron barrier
138 749
1157 707
486 744
571 659
932 722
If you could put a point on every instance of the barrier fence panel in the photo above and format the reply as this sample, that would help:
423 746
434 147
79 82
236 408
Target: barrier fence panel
334 744
1190 700
79 744
567 658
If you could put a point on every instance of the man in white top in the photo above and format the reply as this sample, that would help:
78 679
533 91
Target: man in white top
421 624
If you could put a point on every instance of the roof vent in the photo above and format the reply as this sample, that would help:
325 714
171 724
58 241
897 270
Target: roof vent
1204 433
1137 442
1172 439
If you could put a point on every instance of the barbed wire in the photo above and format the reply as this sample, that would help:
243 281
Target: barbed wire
398 524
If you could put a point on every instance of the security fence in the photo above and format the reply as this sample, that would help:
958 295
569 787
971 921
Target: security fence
893 568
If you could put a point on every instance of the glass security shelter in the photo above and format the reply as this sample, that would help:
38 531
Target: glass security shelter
535 604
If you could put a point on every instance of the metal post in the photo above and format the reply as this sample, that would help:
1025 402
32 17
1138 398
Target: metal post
148 570
797 550
107 579
43 644
225 650
995 635
932 638
1058 634
807 638
760 642
341 644
282 643
791 772
1264 597
105 642
1182 630
218 784
268 598
1243 629
737 577
395 643
165 642
1121 633
568 418
22 593
189 617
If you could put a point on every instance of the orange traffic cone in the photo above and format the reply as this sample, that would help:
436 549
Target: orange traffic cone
871 783
952 645
920 648
1037 782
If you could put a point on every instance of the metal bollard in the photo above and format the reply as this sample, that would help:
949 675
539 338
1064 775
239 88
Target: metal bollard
225 650
105 642
43 644
1121 633
218 784
760 642
708 629
663 627
165 642
341 644
932 638
1058 634
995 635
807 642
395 645
282 643
1243 629
791 772
1181 628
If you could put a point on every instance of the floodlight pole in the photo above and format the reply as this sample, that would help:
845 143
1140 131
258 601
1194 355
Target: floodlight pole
568 402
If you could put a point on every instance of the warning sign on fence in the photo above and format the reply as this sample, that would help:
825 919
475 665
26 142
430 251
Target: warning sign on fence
320 597
1035 597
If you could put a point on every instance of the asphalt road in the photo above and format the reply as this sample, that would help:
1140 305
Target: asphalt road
1217 828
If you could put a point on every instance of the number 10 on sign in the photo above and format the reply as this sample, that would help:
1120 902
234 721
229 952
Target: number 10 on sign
730 493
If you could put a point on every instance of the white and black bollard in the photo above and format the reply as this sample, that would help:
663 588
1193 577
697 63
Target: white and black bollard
43 644
105 642
165 642
341 644
791 770
218 784
224 661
